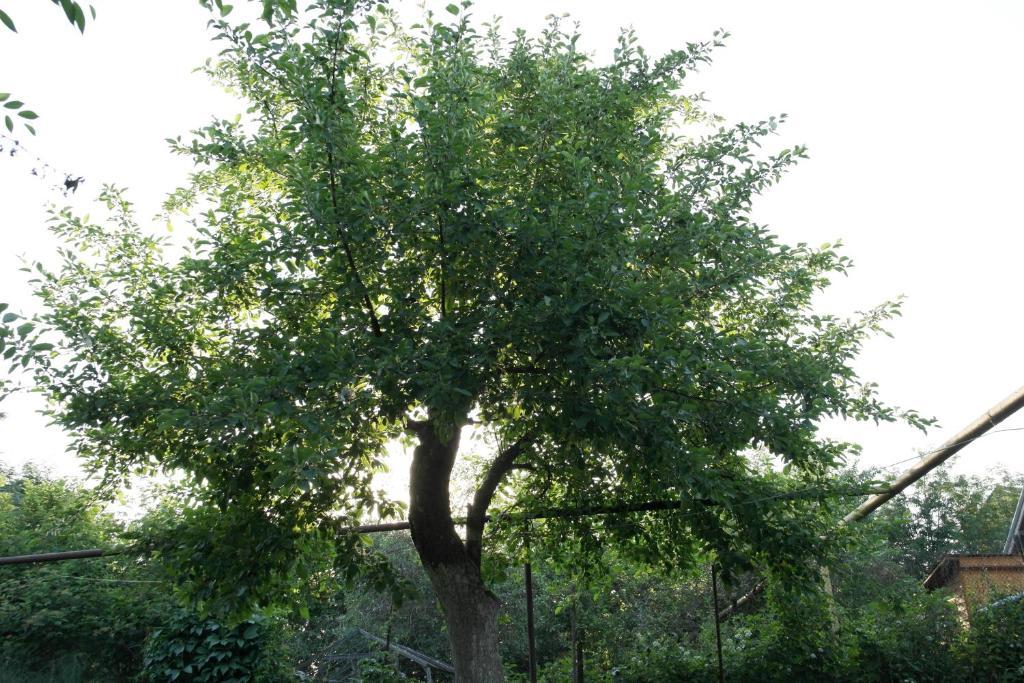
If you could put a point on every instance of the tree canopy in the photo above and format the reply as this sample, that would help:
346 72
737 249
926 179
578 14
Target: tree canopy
416 232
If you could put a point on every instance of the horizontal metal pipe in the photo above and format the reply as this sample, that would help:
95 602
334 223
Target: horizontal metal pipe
58 557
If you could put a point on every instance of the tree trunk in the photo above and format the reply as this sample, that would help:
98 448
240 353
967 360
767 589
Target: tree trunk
470 610
471 613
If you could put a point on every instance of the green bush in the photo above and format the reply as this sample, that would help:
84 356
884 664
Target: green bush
64 670
665 661
906 634
194 650
89 616
994 647
198 650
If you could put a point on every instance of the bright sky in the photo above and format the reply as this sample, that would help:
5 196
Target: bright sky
909 110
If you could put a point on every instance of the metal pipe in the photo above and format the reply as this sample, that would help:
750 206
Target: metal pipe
718 628
531 636
58 557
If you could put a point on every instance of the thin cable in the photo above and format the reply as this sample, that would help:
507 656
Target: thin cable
101 579
952 445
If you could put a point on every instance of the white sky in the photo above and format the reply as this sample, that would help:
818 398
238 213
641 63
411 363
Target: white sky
911 110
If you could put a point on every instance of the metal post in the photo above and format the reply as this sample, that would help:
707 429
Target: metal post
718 628
579 658
531 636
577 646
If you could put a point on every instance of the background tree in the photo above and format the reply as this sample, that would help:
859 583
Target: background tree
91 615
412 235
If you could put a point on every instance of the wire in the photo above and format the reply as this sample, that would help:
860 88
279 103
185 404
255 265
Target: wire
958 443
103 580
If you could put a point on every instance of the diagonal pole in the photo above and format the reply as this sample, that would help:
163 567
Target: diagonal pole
983 423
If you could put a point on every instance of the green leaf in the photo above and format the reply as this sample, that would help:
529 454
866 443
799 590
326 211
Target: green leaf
25 328
454 9
9 123
69 10
4 96
14 104
27 114
79 19
10 316
42 347
7 21
30 128
251 631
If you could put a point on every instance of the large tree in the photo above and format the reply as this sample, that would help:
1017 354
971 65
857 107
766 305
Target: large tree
412 234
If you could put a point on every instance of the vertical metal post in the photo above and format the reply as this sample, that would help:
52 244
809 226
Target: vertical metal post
718 628
579 657
531 636
577 646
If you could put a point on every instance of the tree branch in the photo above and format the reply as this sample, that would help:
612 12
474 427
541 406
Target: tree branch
333 186
477 514
444 266
522 370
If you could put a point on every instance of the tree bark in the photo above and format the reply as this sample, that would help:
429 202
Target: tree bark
470 610
471 613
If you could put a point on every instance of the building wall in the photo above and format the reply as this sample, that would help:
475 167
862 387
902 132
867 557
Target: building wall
982 585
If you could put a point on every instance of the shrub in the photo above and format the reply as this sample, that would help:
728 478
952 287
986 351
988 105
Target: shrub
194 650
994 647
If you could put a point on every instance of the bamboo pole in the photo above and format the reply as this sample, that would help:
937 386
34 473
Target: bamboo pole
986 421
983 423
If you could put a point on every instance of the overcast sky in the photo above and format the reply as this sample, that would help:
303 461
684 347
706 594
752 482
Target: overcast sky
912 112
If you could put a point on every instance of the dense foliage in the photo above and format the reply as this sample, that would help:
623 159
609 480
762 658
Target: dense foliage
94 611
110 619
113 620
191 649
